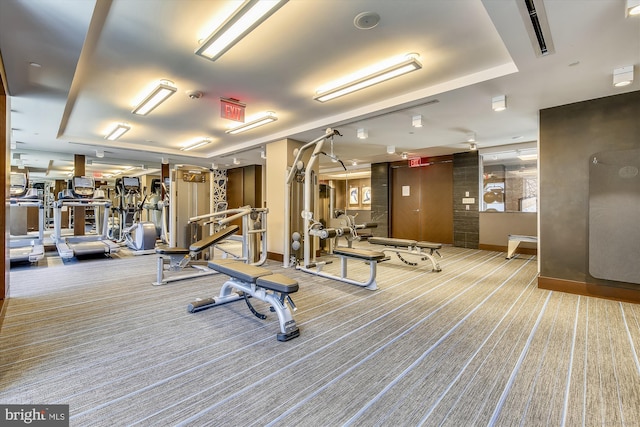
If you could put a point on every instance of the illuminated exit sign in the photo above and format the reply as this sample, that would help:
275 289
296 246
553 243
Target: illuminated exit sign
232 109
414 163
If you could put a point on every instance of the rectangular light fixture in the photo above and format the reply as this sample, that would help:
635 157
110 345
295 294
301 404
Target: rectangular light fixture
499 103
391 149
199 143
632 8
528 157
156 96
263 119
370 76
117 131
362 133
416 121
241 22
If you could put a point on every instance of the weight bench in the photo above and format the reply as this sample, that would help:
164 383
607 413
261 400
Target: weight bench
259 283
178 259
410 247
514 242
369 256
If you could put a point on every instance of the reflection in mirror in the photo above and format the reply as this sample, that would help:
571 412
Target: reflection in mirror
509 179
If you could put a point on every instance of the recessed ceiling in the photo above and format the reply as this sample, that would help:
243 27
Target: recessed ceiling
95 57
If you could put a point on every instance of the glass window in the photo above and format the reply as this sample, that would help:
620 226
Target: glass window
509 179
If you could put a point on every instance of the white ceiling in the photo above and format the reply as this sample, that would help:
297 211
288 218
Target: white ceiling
96 56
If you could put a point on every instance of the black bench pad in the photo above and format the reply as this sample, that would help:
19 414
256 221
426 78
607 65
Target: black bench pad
391 242
239 270
429 245
278 282
365 254
200 245
387 241
166 250
214 238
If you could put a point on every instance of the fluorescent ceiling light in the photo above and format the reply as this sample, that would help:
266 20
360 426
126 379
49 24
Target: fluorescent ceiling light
391 149
362 133
263 119
499 103
241 22
527 157
416 121
623 76
154 97
369 76
117 131
633 8
197 144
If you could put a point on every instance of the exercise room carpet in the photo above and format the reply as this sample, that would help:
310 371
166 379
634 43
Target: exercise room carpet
476 344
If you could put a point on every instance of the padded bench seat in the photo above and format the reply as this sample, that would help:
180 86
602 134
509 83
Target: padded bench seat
365 254
239 270
201 244
386 241
256 282
278 283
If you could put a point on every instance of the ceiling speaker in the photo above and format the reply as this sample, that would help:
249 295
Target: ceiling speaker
366 20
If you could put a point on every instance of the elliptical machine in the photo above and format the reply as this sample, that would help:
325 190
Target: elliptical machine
139 236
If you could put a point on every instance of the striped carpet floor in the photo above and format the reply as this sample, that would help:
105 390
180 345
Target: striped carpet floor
476 344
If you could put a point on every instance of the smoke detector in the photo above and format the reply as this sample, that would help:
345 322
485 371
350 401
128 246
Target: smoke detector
194 94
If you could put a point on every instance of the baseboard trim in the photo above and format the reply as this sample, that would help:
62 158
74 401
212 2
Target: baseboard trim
589 289
274 256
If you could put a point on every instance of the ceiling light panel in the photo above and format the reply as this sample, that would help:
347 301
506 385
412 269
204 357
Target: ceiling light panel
116 131
259 120
238 24
153 97
369 76
201 142
632 8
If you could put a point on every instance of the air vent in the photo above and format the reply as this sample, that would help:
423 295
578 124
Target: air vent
537 25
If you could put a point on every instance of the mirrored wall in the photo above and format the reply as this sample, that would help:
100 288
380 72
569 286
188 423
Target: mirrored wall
509 178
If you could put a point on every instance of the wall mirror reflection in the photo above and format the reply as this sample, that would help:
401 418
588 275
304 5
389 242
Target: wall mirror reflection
509 179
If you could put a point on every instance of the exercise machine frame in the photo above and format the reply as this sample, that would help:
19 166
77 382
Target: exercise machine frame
371 257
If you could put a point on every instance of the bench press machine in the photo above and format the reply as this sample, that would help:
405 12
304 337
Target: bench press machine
344 253
410 247
257 282
178 259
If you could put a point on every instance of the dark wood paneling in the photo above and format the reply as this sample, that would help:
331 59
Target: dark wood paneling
436 202
405 209
427 213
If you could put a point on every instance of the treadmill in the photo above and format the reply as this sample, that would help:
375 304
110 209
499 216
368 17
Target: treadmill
82 193
23 248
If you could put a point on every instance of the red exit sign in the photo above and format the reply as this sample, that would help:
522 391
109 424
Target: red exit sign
414 163
232 109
